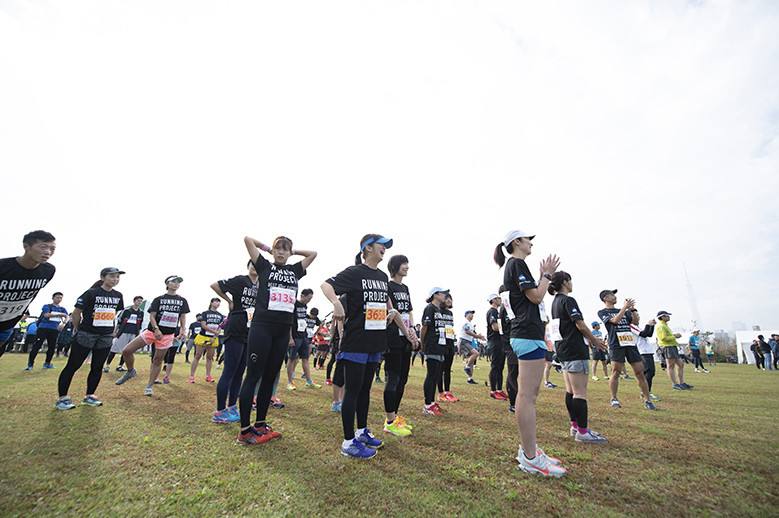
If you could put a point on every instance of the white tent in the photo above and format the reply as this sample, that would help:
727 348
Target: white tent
744 342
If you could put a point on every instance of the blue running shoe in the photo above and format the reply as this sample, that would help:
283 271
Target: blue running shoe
234 410
224 417
28 368
649 406
615 403
367 438
357 450
686 386
677 387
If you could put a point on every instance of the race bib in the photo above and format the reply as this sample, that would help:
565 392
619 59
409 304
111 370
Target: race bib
12 309
249 316
504 300
168 319
406 322
450 333
626 339
133 319
500 326
301 325
104 317
554 330
442 337
310 332
375 316
542 312
281 299
212 326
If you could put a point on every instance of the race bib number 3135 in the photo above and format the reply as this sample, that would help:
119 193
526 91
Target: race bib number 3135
281 299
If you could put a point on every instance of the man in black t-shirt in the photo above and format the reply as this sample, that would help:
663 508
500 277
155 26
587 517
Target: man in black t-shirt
21 278
303 325
495 348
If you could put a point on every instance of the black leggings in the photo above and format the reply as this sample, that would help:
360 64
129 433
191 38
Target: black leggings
357 395
445 375
266 349
649 369
496 367
78 354
44 335
111 358
229 385
433 376
396 367
331 361
696 359
511 383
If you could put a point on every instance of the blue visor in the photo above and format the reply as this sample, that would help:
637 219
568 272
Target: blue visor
387 242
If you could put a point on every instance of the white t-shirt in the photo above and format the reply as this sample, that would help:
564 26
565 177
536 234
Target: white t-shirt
465 336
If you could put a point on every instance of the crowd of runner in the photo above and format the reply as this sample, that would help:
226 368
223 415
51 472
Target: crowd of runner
268 323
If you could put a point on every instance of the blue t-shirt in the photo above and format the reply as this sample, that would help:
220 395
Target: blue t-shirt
53 322
694 340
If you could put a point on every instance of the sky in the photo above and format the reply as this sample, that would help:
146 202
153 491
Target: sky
633 138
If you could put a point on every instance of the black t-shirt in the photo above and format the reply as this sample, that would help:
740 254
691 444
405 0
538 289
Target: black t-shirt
312 324
130 321
365 325
401 300
169 309
244 294
492 318
212 319
619 334
572 346
300 322
277 291
505 327
526 322
436 321
194 329
18 287
451 336
99 309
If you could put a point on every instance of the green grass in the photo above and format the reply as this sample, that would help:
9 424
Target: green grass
711 451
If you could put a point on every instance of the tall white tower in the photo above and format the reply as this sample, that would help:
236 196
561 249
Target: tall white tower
693 302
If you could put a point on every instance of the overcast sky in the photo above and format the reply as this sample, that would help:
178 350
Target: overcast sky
631 137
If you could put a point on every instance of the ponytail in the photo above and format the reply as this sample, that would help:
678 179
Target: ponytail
358 259
498 256
556 284
97 284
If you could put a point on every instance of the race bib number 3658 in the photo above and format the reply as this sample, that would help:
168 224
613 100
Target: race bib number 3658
375 316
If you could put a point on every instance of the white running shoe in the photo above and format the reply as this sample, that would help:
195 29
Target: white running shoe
591 437
541 466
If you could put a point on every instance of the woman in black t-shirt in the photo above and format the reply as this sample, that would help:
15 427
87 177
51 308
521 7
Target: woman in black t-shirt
526 310
93 328
270 331
569 331
364 338
445 378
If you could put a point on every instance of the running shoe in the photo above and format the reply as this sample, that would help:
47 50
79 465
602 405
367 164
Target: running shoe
336 407
395 428
678 387
442 397
234 410
328 383
265 429
549 384
438 407
91 401
64 403
595 378
628 377
367 438
120 369
50 366
686 386
502 393
451 397
704 370
276 402
471 381
430 410
157 382
652 397
106 368
468 371
541 466
357 450
400 420
291 386
166 380
311 385
218 366
573 431
615 403
254 403
497 395
549 459
590 437
512 410
649 406
251 436
696 370
191 379
224 417
28 368
126 376
378 380
209 379
148 391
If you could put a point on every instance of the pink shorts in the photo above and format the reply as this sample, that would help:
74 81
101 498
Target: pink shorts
149 339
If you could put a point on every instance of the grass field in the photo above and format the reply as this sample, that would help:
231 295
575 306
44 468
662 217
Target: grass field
712 451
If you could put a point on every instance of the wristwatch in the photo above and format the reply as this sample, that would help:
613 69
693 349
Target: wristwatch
548 276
